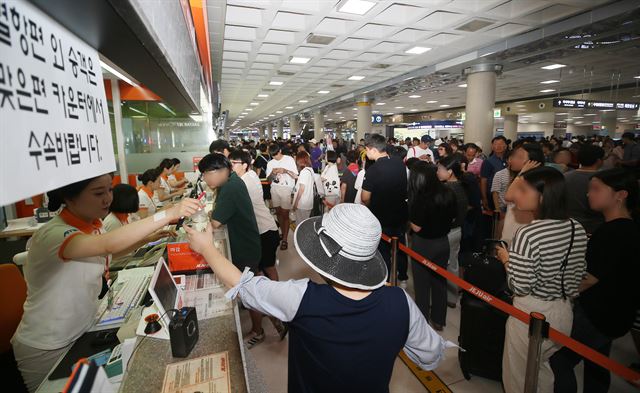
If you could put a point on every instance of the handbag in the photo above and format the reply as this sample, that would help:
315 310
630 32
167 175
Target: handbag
485 271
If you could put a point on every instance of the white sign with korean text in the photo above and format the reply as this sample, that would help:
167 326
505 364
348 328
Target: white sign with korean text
54 120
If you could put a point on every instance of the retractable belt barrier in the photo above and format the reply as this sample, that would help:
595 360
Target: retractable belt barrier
586 352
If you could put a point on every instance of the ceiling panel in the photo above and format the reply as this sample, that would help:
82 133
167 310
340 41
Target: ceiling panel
260 37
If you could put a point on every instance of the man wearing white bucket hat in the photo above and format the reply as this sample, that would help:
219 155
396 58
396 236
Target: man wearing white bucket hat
345 336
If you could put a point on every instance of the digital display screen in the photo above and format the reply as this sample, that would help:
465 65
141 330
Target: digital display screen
580 104
166 289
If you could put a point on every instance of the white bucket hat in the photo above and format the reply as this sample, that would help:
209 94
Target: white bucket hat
342 246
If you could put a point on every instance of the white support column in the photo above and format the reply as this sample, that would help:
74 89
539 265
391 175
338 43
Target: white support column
280 129
117 114
511 127
481 97
269 132
318 125
294 126
364 120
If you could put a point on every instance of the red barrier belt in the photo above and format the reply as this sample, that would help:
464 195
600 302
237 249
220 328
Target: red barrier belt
556 336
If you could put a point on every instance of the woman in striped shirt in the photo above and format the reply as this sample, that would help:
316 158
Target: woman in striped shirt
545 264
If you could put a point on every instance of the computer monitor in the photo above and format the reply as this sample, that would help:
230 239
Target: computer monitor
165 293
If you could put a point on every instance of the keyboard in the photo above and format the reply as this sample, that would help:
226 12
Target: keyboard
127 295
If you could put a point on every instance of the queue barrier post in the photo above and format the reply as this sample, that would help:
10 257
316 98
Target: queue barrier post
538 332
393 274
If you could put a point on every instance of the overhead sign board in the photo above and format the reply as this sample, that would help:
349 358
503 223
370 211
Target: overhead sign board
54 124
376 119
589 104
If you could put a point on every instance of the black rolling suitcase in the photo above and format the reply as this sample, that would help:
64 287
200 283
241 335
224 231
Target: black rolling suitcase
482 327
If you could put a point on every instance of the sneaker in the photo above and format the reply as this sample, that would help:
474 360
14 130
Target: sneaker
281 328
403 284
254 339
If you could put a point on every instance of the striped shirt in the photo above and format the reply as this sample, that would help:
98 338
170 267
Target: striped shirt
500 184
536 255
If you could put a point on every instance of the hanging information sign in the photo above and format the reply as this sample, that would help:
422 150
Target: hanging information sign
54 121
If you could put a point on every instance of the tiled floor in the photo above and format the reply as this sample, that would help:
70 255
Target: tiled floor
271 355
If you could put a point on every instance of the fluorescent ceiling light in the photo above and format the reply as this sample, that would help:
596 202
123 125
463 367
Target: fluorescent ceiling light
276 83
547 91
636 77
553 66
389 113
589 114
414 110
117 73
431 102
139 111
399 107
445 106
578 117
543 122
323 92
162 104
463 85
417 50
288 107
549 82
355 109
381 103
263 95
254 103
248 109
272 115
299 60
303 101
278 111
415 96
358 7
338 113
356 78
561 114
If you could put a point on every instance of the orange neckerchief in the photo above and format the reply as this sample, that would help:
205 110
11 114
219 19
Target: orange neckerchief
75 221
122 217
147 191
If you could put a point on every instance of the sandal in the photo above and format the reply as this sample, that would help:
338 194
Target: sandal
284 245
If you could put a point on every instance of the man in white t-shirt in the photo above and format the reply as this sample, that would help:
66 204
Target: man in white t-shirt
422 151
282 172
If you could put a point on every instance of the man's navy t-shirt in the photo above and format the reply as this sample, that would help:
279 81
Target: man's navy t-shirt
387 183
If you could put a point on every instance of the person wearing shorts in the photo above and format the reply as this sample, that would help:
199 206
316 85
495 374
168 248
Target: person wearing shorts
282 172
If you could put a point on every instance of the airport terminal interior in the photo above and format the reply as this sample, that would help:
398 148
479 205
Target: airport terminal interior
320 196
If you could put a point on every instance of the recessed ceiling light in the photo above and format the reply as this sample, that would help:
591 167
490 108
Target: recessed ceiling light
445 106
561 114
381 103
543 122
636 77
358 7
356 78
338 113
413 110
288 107
399 107
431 102
549 82
244 113
303 101
329 119
263 95
462 85
389 113
299 60
553 66
355 109
578 117
278 111
272 115
415 96
324 92
417 50
248 109
276 83
254 103
622 118
547 91
589 114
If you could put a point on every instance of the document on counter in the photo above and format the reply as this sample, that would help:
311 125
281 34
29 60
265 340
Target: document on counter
206 294
207 374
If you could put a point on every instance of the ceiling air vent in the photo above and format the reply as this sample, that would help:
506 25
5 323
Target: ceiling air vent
319 39
475 25
286 73
381 66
